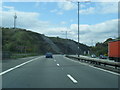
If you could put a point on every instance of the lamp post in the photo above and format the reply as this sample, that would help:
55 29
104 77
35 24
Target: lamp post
78 2
78 30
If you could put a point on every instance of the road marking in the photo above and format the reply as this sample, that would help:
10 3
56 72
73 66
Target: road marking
105 70
71 78
55 60
94 67
4 72
58 64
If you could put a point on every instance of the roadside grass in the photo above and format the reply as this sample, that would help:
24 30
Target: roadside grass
22 56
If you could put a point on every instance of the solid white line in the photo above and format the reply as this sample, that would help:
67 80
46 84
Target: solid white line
58 64
71 78
4 72
94 67
105 70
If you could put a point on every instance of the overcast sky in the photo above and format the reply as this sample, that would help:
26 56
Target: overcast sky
98 20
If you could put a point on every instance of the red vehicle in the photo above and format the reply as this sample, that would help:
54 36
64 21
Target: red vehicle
114 50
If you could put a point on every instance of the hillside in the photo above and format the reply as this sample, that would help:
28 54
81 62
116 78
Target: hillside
69 46
25 41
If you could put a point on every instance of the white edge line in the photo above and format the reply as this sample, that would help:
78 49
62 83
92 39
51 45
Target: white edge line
4 72
71 78
95 67
105 70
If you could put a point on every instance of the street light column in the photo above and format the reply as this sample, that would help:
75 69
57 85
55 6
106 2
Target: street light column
78 29
78 25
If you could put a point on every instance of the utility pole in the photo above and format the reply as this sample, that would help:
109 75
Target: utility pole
92 43
15 17
66 32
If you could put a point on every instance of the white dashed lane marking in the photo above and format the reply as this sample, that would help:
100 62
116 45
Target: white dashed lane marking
72 79
58 64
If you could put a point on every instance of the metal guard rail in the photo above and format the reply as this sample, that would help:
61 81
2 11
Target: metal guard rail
96 61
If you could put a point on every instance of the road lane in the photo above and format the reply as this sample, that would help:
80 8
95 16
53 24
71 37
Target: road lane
6 71
45 73
7 64
42 73
88 77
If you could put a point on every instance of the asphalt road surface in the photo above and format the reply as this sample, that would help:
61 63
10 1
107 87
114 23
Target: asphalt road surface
58 72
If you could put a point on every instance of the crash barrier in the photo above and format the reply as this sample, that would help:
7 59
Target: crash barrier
95 61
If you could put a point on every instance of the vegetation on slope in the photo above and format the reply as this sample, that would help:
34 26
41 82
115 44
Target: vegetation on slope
21 41
102 48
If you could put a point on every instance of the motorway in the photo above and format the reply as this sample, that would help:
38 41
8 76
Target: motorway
58 72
